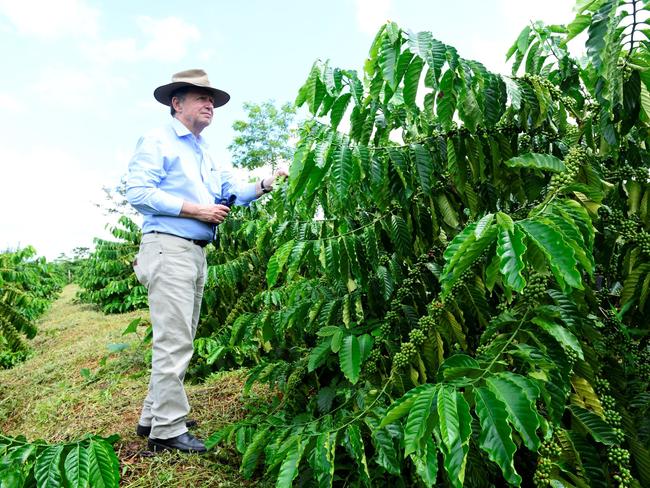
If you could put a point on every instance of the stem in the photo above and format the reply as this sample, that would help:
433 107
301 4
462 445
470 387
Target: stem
498 355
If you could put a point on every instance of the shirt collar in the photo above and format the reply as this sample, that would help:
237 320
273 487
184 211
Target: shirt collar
182 131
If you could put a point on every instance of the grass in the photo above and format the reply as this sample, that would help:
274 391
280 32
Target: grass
73 385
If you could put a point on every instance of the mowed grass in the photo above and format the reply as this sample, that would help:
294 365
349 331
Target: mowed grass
47 397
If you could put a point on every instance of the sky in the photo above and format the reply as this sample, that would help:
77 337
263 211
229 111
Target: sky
78 80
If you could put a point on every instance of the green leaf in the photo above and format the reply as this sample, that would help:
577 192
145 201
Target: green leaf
511 250
328 330
426 463
418 420
483 224
388 61
322 458
365 346
424 166
539 161
462 253
518 394
495 437
76 467
597 427
579 24
253 452
338 109
342 170
559 253
567 340
277 262
449 214
356 448
446 104
47 470
289 467
132 327
319 354
102 466
350 358
411 81
403 405
564 224
598 30
455 430
400 235
581 218
386 454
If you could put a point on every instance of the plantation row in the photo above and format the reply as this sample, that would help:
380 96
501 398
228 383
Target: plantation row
467 306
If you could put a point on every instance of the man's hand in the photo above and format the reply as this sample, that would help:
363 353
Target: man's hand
269 181
212 214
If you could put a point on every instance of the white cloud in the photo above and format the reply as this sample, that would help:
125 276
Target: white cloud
522 13
372 14
168 38
9 103
51 19
74 89
48 195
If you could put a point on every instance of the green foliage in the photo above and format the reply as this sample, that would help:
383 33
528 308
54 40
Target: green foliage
455 292
106 277
263 139
89 462
27 287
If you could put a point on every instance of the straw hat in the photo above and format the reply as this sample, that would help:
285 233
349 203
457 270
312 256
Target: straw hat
192 77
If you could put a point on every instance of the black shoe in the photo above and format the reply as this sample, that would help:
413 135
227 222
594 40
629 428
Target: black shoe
185 442
145 430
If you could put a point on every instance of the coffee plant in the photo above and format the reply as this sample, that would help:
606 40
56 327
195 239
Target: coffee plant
454 290
106 278
28 284
88 462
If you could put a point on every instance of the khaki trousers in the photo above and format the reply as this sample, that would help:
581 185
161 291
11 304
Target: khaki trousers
173 270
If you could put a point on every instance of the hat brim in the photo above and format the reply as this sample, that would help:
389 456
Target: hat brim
163 93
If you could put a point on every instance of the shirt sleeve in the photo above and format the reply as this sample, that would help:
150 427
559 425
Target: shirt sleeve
146 171
231 185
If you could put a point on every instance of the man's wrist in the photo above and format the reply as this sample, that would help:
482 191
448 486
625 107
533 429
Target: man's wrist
265 188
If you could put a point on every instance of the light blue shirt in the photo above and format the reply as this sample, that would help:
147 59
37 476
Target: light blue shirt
171 165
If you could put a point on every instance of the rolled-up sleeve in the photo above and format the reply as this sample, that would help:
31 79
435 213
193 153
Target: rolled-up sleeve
245 192
146 171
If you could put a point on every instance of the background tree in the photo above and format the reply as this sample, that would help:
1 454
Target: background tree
264 138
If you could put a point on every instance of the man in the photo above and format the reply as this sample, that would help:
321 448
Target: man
175 184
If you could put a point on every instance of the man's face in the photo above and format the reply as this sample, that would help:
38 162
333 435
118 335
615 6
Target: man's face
196 110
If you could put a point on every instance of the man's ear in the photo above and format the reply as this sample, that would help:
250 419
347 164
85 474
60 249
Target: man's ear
176 103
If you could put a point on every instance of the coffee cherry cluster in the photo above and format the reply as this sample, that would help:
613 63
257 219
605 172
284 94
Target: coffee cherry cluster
617 456
550 448
542 476
535 288
426 324
416 336
409 350
572 356
572 161
643 241
628 229
460 283
400 360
